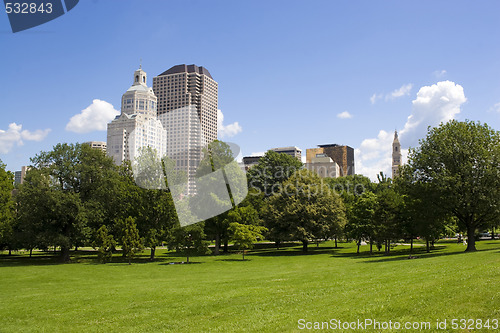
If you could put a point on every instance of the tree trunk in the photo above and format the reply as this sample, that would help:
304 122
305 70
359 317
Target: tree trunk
277 243
411 245
359 244
153 250
335 242
493 233
371 246
217 244
428 249
226 246
65 253
187 256
31 252
76 248
10 251
471 241
304 245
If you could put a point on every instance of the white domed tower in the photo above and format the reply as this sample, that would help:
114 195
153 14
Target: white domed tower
137 126
396 155
139 98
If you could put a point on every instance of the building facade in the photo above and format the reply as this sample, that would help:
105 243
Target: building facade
137 126
19 175
340 154
396 155
323 166
292 151
184 141
187 108
189 85
101 145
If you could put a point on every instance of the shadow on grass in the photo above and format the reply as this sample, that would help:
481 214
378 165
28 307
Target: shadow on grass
181 263
403 254
295 251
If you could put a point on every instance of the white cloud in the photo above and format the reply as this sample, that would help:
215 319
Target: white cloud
496 108
93 118
227 130
404 90
14 136
344 115
439 73
434 104
375 97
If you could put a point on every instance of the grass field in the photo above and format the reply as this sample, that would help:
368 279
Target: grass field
269 292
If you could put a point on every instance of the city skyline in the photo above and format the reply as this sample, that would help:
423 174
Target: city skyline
305 75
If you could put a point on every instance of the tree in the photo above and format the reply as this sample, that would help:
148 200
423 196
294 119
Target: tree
215 196
350 188
105 243
303 208
131 242
272 170
189 240
244 236
387 217
457 165
360 224
68 192
6 208
155 211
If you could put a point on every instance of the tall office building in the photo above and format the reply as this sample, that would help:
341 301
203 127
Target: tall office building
342 155
187 108
396 155
189 85
137 126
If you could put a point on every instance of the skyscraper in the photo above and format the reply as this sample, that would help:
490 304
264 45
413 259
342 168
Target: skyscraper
187 108
189 85
396 155
137 126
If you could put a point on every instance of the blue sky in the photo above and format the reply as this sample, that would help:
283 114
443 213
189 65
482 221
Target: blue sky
287 70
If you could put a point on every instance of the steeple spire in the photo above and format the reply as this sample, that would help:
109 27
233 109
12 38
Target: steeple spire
396 155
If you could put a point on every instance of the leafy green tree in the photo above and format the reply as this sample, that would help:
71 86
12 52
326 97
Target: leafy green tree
272 170
154 210
244 236
361 225
303 208
6 208
387 218
72 190
131 242
189 240
212 195
457 165
350 188
105 243
7 220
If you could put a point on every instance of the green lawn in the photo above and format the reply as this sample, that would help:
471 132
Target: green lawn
269 292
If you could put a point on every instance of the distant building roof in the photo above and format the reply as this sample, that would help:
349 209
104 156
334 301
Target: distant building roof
329 145
187 69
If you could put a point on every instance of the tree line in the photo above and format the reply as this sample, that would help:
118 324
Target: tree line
75 196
